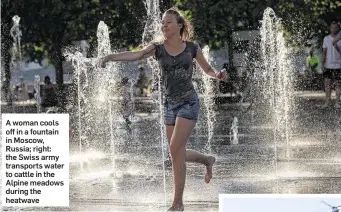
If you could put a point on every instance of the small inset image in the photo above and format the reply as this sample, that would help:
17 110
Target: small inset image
280 203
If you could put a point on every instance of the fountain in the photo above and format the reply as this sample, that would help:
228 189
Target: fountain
279 106
17 64
111 73
208 95
90 111
144 183
277 78
16 50
37 94
199 123
142 163
152 33
132 98
97 104
97 101
234 131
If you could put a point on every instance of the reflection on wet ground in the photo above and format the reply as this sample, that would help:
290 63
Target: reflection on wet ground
254 165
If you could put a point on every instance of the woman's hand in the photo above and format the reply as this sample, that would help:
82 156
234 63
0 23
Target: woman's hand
221 75
207 68
103 62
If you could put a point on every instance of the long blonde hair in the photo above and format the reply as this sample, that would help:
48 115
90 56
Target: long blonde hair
186 32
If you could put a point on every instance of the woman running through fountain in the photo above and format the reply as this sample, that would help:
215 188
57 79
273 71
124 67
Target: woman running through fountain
175 56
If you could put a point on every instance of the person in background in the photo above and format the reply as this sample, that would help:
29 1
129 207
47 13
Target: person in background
49 98
22 90
331 61
126 104
142 81
312 63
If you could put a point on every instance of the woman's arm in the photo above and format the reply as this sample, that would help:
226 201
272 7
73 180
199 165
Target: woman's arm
207 68
130 55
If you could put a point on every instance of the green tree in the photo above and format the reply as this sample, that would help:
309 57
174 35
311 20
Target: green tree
214 21
307 20
325 7
52 25
165 5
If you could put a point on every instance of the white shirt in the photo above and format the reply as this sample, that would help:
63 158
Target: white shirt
333 60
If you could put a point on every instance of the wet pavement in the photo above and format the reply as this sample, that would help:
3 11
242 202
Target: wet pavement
134 179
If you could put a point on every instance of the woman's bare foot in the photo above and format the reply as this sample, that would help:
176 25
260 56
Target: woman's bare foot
176 208
209 166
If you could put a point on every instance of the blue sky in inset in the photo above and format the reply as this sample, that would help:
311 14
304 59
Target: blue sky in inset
279 203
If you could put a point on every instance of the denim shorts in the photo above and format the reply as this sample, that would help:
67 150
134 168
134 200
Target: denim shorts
188 109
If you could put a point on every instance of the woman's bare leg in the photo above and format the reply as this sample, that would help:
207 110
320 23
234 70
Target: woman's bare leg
177 138
194 156
207 160
181 132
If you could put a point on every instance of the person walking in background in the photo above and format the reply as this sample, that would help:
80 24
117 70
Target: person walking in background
49 98
312 63
331 61
22 90
142 81
126 103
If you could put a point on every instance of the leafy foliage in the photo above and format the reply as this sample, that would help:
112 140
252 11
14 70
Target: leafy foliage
307 20
49 25
59 22
215 20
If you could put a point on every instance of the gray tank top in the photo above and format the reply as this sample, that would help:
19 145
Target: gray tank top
177 71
